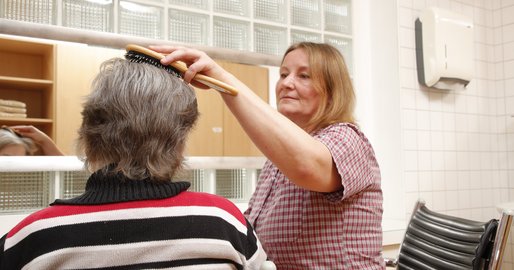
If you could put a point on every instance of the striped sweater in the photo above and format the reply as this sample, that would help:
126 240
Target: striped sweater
124 224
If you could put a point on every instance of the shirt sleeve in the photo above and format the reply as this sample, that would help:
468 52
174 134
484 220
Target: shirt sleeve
353 156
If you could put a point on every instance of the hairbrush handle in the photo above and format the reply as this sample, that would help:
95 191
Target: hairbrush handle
182 67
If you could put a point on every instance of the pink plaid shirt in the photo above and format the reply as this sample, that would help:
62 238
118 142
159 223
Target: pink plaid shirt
301 229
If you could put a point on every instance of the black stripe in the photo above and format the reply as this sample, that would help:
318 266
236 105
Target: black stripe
129 231
168 264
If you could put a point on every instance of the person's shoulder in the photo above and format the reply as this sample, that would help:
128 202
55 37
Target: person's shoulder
204 199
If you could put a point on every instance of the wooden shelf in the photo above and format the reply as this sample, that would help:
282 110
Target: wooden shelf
25 121
25 83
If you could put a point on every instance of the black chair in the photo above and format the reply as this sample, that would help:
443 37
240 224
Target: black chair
438 241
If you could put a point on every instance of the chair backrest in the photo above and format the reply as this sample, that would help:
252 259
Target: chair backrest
437 241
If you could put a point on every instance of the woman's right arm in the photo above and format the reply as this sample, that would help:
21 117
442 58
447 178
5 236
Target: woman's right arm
303 159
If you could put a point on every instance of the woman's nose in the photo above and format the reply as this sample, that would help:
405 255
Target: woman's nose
288 81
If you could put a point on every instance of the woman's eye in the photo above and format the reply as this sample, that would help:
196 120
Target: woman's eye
304 76
283 75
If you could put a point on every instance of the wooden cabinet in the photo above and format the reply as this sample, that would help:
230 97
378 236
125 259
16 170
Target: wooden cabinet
217 132
27 74
77 65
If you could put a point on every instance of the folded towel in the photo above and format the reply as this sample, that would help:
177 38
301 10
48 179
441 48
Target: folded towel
12 103
9 109
13 115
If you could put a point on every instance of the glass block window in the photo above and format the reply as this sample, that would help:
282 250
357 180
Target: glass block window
337 16
199 4
195 177
345 47
306 13
231 34
21 191
299 36
232 184
91 15
188 27
37 11
271 10
140 20
73 183
270 39
233 7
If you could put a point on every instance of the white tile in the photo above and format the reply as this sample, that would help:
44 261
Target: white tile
450 141
450 163
463 161
508 51
425 181
438 162
485 142
405 3
480 34
411 181
424 161
461 122
407 37
418 4
411 160
475 181
405 17
423 137
452 199
500 106
423 120
460 103
443 4
471 104
507 3
437 140
435 98
481 52
508 15
473 123
508 33
509 105
409 118
486 159
408 58
473 142
409 78
499 71
410 140
509 87
422 100
498 37
408 98
450 178
479 16
448 102
448 121
509 68
462 141
439 203
464 199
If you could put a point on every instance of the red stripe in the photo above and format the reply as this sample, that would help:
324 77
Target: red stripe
185 198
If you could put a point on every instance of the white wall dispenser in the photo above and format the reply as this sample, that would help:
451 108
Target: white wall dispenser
444 49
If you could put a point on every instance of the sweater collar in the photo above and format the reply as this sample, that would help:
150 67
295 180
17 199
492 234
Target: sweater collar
103 188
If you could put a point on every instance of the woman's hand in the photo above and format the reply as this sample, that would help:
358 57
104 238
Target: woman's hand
196 60
40 138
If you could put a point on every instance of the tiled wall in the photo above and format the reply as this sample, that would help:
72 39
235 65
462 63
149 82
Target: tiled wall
458 146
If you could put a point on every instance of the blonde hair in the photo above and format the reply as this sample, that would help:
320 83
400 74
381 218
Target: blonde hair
136 120
331 80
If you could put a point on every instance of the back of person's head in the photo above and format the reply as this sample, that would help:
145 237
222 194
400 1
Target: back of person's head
136 120
10 139
331 80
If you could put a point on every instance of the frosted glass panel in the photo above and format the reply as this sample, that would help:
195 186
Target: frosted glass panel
232 34
345 47
298 36
37 11
73 183
88 15
306 13
232 184
140 20
235 7
338 16
188 27
270 39
24 190
200 4
270 10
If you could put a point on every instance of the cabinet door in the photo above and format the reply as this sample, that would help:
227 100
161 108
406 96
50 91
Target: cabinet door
77 65
218 133
235 140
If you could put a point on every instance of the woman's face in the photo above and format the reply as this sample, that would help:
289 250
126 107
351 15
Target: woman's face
13 150
296 97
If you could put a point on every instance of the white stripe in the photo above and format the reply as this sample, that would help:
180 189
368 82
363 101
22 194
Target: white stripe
135 253
124 214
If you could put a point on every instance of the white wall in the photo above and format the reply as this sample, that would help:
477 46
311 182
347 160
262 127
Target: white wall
458 146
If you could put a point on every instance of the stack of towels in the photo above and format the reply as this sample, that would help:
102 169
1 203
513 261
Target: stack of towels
13 108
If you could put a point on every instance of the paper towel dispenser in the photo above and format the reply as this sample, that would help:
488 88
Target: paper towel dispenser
444 49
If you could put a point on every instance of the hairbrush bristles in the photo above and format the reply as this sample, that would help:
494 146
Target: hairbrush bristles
137 57
138 54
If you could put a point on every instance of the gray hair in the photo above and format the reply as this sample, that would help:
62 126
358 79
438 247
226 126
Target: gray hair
137 119
9 137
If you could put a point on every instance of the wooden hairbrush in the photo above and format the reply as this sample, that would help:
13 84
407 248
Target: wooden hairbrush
139 54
